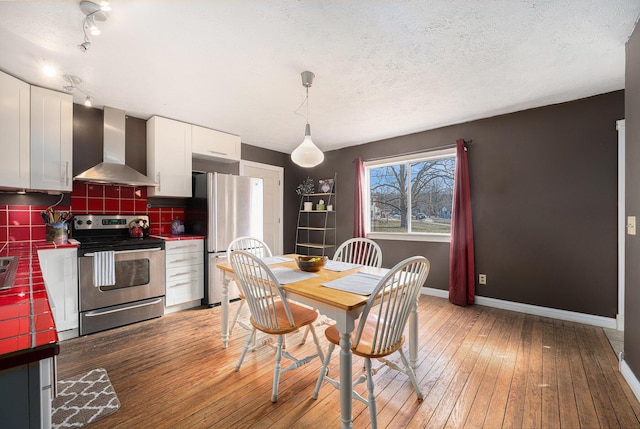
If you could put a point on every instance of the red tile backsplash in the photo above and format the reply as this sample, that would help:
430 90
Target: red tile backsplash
24 223
95 191
127 192
112 205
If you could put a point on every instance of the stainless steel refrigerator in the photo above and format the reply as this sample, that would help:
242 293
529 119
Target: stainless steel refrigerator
223 208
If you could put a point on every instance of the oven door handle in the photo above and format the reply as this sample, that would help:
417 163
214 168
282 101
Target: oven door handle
122 252
103 312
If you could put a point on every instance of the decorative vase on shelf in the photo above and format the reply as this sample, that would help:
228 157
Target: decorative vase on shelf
308 206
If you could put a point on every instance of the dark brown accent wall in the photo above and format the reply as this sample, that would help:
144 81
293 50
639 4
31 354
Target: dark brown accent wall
632 203
88 140
543 190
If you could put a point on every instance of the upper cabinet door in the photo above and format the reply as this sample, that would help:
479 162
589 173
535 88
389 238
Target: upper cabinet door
215 145
51 140
14 138
169 157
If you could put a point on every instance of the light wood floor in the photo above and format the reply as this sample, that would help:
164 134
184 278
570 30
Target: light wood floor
479 367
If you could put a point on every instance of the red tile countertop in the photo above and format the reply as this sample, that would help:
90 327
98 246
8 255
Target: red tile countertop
180 237
27 329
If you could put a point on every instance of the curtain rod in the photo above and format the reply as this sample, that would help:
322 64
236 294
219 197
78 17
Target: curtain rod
449 146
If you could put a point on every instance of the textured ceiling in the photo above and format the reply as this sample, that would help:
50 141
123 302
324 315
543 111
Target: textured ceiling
383 68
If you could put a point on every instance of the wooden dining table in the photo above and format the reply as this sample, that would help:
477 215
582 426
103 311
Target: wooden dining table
343 307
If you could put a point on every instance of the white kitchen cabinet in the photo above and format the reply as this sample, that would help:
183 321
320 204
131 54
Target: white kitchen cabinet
185 272
169 157
60 272
214 145
15 101
51 140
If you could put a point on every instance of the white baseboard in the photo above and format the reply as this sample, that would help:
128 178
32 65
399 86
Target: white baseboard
554 313
180 307
630 378
67 335
620 322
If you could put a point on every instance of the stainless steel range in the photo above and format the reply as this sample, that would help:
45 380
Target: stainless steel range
138 262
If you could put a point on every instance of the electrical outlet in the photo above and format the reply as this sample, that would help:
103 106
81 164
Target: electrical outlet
482 279
631 225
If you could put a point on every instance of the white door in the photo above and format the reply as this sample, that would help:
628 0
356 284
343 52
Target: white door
273 179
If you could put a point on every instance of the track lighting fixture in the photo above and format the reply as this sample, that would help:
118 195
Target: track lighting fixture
74 82
93 12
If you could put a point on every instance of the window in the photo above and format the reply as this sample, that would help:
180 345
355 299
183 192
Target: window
411 197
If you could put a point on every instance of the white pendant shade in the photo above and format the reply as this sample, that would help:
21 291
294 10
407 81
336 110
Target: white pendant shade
307 154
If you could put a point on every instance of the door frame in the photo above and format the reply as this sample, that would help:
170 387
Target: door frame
280 171
622 223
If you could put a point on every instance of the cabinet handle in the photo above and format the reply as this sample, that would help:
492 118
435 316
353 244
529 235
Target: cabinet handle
66 174
179 260
183 273
218 153
183 284
159 187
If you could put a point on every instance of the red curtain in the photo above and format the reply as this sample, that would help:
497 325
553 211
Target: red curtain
358 200
461 264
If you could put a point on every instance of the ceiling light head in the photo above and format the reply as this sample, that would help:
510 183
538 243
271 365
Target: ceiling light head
84 46
49 70
87 101
307 154
93 28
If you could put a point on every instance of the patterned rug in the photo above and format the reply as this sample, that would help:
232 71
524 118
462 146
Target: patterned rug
83 399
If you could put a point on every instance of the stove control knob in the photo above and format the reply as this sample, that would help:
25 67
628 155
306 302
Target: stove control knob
79 222
89 222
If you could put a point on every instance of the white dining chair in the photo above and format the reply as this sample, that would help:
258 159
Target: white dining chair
379 331
271 312
256 247
361 251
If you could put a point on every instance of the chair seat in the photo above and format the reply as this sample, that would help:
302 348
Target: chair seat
364 348
302 316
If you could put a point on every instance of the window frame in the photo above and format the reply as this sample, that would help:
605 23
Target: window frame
438 237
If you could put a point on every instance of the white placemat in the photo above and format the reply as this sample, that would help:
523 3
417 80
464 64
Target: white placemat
286 275
360 283
270 260
339 266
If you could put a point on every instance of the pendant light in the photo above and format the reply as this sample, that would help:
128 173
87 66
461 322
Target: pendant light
307 154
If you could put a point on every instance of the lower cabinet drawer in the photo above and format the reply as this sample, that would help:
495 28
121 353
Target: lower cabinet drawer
184 284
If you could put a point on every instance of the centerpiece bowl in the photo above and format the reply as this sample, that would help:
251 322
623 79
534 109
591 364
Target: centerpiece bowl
311 263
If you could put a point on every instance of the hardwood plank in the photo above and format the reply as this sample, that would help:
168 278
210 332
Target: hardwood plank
478 409
550 413
497 405
454 358
566 398
531 416
472 389
478 367
584 401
